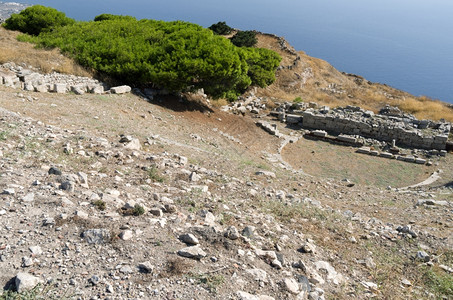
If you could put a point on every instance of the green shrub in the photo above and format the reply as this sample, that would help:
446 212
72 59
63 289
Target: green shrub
221 28
36 19
177 56
99 204
106 17
262 65
439 282
138 210
298 100
154 175
244 39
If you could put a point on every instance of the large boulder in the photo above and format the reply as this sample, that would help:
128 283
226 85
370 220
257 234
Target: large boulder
26 282
120 89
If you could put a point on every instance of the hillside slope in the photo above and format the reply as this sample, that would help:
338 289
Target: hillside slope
315 80
113 196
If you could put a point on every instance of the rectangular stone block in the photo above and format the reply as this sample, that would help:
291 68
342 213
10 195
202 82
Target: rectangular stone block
60 88
121 89
364 150
293 119
346 138
386 155
41 88
319 133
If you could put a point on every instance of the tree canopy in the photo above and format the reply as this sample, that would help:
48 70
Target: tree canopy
221 28
35 19
176 56
244 39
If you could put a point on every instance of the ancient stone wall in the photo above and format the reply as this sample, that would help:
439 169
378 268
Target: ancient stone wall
405 130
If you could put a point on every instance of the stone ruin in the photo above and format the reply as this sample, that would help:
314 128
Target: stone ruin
26 79
16 76
390 125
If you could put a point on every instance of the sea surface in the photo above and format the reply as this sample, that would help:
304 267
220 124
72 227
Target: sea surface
407 44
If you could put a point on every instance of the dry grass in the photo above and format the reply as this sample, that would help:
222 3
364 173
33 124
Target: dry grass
356 90
425 108
11 50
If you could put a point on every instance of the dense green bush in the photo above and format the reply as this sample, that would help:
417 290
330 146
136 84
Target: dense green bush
244 39
105 17
221 28
262 65
177 56
36 19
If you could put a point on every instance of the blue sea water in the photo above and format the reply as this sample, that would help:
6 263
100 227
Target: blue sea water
407 44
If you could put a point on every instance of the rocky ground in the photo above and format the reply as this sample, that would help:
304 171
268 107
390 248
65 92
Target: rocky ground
115 197
107 196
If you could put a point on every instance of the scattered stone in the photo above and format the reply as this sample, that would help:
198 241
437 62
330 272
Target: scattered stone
146 267
332 275
126 235
248 231
81 214
121 89
35 250
156 212
126 269
189 239
266 174
194 177
370 285
9 191
257 274
291 285
170 208
194 252
134 144
67 186
247 296
94 280
27 262
30 197
83 179
407 229
207 216
25 282
446 268
307 247
431 202
54 171
232 233
422 256
96 236
406 282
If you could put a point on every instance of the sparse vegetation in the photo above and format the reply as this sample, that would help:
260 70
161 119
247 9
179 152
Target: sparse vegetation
99 204
138 210
38 292
211 281
3 135
178 266
439 282
298 100
153 174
